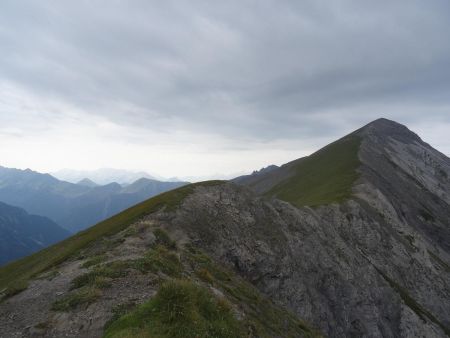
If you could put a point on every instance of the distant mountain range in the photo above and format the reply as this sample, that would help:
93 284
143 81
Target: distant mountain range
21 234
255 175
86 182
73 206
124 177
105 176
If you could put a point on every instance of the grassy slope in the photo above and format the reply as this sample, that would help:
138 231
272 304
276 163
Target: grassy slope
15 275
187 308
323 177
180 309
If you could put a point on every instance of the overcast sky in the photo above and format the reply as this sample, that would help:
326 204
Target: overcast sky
197 88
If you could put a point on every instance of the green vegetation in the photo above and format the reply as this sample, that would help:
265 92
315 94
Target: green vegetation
262 317
159 259
185 308
205 275
30 266
49 275
323 177
84 296
200 261
180 309
130 231
119 311
15 288
163 238
94 261
101 275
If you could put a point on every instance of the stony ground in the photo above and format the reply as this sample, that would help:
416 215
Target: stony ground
29 313
64 303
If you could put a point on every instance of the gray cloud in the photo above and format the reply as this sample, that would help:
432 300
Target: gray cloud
247 70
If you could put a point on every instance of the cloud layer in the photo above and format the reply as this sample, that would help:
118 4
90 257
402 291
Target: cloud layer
207 86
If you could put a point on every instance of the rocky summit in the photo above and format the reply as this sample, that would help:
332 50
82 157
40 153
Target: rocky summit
351 241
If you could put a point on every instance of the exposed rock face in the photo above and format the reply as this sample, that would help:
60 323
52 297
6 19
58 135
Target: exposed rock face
376 265
411 175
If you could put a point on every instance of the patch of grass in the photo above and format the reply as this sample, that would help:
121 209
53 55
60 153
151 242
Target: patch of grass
101 282
84 296
119 311
162 238
130 231
200 261
101 276
205 275
180 309
159 259
324 177
43 260
50 275
196 255
263 318
94 261
14 289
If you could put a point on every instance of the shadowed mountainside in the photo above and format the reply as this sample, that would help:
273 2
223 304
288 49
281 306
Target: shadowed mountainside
73 206
22 234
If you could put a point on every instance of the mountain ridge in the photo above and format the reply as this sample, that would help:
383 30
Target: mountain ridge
374 263
87 182
104 176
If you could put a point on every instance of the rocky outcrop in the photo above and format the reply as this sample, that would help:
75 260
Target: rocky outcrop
374 265
345 268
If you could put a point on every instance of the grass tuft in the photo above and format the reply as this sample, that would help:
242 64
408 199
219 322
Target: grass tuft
14 289
159 259
162 238
180 309
205 275
94 261
84 296
101 276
